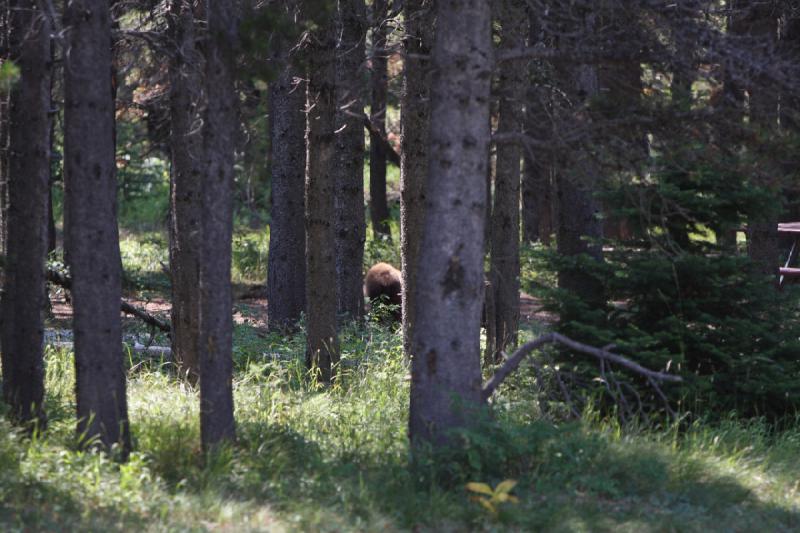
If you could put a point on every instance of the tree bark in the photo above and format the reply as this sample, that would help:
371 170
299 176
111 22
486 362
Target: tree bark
94 260
29 178
216 319
379 208
760 20
286 269
322 344
505 211
186 209
414 135
5 28
445 371
349 161
579 229
536 188
537 194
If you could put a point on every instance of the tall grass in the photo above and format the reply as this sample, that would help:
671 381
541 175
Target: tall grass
337 459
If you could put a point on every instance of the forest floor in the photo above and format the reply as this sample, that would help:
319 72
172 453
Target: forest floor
250 307
311 459
337 459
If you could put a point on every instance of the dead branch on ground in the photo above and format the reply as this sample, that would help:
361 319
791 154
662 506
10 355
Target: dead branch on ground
64 281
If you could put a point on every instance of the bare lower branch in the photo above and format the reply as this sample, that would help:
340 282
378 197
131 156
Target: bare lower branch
556 338
391 155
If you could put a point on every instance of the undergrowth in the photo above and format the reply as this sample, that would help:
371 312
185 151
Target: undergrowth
337 459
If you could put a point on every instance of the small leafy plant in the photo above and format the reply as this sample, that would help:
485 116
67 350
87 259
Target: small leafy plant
490 498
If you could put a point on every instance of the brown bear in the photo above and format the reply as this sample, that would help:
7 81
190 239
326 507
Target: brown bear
385 283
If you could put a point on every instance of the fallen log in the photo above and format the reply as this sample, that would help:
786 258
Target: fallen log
64 281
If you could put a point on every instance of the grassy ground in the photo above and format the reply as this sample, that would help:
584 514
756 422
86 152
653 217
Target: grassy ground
337 460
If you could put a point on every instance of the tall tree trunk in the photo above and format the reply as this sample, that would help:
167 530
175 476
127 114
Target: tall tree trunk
349 160
415 127
51 174
5 28
445 371
29 173
92 224
52 112
760 20
579 227
379 208
322 344
216 319
505 211
186 188
286 269
536 189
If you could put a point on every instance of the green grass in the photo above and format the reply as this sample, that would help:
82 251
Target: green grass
145 256
338 460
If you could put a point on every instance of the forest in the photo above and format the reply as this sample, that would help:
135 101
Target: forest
400 265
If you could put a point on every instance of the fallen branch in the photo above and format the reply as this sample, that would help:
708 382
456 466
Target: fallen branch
514 361
145 317
391 155
62 280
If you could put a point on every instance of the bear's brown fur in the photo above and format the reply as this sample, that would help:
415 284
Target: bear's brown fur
385 282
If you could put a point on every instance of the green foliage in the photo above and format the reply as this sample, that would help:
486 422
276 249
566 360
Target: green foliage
9 74
685 302
338 459
145 259
708 317
382 249
142 179
490 498
250 256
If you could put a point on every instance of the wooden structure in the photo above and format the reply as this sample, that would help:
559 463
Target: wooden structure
791 229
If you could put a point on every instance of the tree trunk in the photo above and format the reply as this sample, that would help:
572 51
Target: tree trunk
761 20
579 227
415 126
537 194
445 371
505 211
186 210
379 208
5 28
536 188
51 171
216 319
286 270
349 161
29 173
322 344
90 183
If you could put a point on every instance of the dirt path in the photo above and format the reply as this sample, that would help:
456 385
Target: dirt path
250 307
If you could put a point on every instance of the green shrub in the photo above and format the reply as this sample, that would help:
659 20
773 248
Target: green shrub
682 301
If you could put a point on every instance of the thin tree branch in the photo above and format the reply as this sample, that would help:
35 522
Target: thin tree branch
391 155
556 338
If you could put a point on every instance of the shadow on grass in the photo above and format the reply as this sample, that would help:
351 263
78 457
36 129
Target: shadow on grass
569 478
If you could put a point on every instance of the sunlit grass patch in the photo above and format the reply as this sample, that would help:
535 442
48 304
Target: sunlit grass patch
337 459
